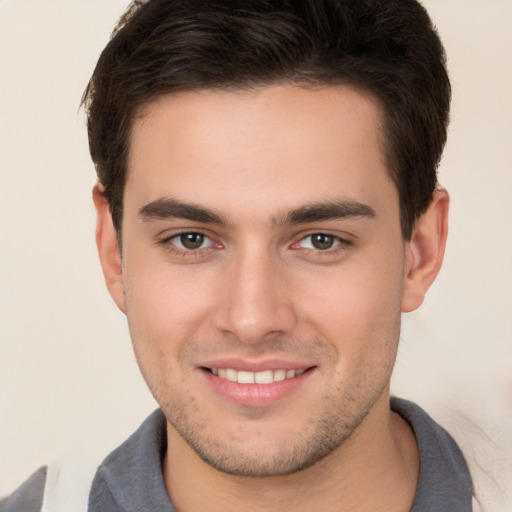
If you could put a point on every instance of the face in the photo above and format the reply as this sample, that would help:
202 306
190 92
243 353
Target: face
262 270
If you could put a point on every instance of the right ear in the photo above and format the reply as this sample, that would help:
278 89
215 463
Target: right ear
108 247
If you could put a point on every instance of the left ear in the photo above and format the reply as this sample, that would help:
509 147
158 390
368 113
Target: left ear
108 247
425 250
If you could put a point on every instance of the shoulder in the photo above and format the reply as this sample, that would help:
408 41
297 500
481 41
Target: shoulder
444 482
128 479
28 497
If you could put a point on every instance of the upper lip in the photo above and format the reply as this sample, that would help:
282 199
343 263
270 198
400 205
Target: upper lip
255 365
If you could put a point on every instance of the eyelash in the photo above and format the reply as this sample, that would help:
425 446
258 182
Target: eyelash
170 246
341 244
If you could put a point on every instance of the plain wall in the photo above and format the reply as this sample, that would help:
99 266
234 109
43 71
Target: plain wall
68 378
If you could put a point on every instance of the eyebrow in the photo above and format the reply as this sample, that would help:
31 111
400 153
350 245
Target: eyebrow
331 210
166 208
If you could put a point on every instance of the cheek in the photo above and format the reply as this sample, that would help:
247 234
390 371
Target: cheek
357 309
165 305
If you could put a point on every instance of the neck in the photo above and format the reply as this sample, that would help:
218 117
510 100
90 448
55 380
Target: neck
375 469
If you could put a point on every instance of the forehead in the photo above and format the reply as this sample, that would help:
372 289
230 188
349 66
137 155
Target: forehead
279 145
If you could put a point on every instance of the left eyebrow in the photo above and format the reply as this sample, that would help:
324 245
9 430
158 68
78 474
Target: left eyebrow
167 208
331 210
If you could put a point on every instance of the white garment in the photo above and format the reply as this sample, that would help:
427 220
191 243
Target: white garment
68 485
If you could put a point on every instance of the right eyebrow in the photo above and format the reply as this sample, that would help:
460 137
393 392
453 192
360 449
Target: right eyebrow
329 210
167 208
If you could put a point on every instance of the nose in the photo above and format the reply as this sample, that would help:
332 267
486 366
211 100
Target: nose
256 302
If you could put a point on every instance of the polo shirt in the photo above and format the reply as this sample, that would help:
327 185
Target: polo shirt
130 479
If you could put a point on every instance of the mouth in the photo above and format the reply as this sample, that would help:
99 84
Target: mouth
256 384
261 377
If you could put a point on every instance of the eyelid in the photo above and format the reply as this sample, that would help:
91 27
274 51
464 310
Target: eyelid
342 239
337 241
177 236
168 241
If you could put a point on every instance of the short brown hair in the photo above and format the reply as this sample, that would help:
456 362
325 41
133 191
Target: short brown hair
386 47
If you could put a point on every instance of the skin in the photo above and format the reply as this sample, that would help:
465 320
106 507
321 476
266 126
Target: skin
249 177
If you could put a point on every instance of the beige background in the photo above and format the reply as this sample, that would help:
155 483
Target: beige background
68 379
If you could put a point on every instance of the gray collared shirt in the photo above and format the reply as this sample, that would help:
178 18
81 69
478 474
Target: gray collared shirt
130 479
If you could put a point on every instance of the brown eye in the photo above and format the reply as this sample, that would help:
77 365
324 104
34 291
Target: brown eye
192 241
322 241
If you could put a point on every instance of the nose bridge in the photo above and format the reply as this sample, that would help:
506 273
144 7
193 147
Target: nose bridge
256 302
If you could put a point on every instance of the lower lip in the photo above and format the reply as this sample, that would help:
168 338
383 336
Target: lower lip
255 395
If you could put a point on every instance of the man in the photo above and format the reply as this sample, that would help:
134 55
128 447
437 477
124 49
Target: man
267 207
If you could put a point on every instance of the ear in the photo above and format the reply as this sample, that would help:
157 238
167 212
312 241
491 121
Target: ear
108 247
425 250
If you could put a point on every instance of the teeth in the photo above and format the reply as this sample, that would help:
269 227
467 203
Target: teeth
264 377
245 377
279 375
231 375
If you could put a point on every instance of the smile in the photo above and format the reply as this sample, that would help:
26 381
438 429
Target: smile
263 377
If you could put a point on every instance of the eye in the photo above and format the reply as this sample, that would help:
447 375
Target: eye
320 242
191 241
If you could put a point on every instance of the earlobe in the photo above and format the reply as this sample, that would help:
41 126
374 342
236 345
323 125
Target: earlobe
108 247
425 251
